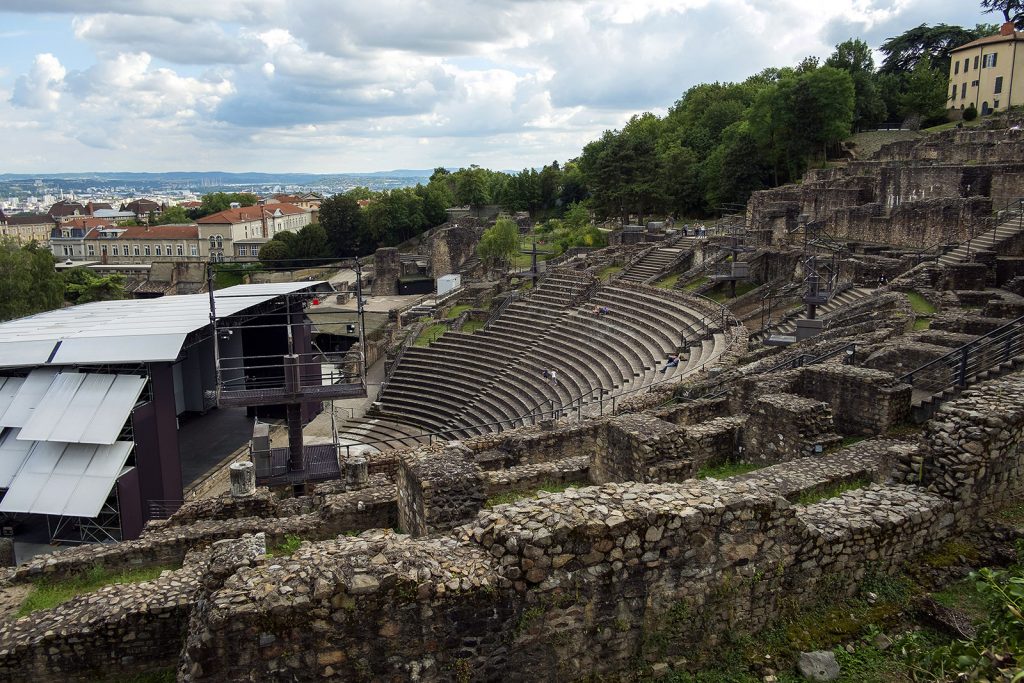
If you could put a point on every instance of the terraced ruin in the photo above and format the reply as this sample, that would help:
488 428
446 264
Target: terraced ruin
504 525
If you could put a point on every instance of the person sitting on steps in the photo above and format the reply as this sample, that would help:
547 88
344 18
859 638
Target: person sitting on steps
673 361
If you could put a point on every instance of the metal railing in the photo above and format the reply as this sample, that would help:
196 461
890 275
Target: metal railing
162 509
958 367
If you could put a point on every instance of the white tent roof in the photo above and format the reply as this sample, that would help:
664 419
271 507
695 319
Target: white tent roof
13 454
84 408
133 330
71 480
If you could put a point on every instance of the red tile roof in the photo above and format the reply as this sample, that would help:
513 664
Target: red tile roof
161 232
250 213
988 40
89 222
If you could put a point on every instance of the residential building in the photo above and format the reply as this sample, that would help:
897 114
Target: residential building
238 233
143 208
66 210
67 238
142 244
988 72
25 228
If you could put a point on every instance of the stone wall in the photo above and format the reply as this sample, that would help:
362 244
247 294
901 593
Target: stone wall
123 629
784 427
451 247
387 268
863 401
971 451
438 490
642 448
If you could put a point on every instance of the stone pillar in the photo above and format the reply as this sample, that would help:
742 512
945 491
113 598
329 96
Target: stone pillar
243 479
7 552
357 472
387 268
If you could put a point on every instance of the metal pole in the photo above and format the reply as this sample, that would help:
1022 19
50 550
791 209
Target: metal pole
362 325
213 325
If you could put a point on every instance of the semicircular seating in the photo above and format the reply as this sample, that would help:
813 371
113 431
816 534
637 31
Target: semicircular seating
499 377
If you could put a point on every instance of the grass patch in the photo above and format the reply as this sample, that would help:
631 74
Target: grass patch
907 429
668 282
158 676
456 311
471 326
920 305
963 595
723 292
286 547
816 495
47 593
922 323
950 553
850 440
608 271
1011 514
430 333
725 470
694 284
521 494
952 124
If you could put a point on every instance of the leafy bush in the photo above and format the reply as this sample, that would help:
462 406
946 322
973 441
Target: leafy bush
970 113
997 650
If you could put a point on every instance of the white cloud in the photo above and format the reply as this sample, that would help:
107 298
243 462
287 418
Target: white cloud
40 87
319 85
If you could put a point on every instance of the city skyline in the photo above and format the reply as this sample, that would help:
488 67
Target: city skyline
251 85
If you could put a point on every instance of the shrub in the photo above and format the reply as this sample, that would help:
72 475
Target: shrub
970 113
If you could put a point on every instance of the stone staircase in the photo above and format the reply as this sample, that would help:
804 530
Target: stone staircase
1010 227
788 327
652 265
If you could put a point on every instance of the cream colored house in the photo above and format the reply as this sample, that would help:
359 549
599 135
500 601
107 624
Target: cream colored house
988 72
238 234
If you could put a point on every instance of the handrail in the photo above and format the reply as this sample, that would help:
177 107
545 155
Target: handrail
960 353
513 296
406 343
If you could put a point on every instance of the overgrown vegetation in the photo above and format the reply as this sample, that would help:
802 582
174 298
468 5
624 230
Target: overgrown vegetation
520 494
725 470
816 495
667 282
920 305
429 334
471 326
286 547
456 311
48 593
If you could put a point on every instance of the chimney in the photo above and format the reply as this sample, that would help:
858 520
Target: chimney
1007 29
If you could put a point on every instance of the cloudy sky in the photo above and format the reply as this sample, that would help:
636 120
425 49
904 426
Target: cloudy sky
361 85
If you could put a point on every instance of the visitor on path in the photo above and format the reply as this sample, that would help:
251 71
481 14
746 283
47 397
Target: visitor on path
554 377
604 310
673 361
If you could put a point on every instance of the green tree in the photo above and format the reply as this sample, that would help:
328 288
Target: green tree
854 57
903 52
310 243
220 201
925 95
345 225
576 216
82 286
29 283
471 186
499 242
274 252
1012 10
172 215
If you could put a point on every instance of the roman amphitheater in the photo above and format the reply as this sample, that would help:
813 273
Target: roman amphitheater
853 342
